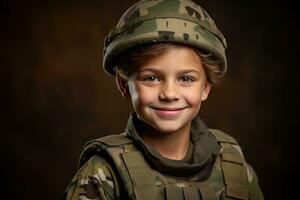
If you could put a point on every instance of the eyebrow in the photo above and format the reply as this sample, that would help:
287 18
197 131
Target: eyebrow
148 69
159 71
190 71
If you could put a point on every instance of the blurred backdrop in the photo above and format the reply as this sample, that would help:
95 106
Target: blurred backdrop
55 96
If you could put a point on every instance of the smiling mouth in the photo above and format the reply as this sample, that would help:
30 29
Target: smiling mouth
168 112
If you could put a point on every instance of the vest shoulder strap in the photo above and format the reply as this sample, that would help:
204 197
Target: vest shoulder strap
135 173
114 140
233 166
93 147
223 137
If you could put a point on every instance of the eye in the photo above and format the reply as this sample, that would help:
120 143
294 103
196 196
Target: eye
186 79
151 78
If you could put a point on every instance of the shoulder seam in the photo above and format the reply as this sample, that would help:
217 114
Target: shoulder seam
222 136
113 140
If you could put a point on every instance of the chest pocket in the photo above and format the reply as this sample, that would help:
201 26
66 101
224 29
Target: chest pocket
143 182
189 193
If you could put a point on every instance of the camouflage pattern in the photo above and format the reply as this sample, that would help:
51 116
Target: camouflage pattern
153 21
97 178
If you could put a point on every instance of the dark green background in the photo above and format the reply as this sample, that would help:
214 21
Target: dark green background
55 96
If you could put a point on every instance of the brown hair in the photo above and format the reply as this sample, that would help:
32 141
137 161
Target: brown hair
128 62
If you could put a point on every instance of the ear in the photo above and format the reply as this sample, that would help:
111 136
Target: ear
206 90
122 86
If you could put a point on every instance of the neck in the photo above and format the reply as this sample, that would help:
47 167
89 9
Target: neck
172 145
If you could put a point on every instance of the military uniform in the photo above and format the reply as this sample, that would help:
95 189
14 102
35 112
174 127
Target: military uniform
124 167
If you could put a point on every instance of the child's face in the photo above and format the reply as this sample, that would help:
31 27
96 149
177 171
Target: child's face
167 91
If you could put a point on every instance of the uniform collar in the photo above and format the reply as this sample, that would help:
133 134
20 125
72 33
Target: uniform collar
205 151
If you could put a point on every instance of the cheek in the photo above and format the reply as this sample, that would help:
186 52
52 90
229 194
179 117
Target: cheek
147 95
193 96
141 95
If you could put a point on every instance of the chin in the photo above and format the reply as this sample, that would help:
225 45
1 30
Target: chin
167 128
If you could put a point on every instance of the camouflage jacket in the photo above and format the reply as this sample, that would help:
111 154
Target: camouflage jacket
212 169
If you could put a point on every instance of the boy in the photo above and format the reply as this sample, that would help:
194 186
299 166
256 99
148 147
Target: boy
165 56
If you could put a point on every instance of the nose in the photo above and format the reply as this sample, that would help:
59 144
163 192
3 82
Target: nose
169 91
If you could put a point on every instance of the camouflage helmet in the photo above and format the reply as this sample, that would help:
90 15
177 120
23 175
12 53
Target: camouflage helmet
157 21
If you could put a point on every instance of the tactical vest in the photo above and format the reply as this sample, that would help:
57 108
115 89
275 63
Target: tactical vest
131 165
